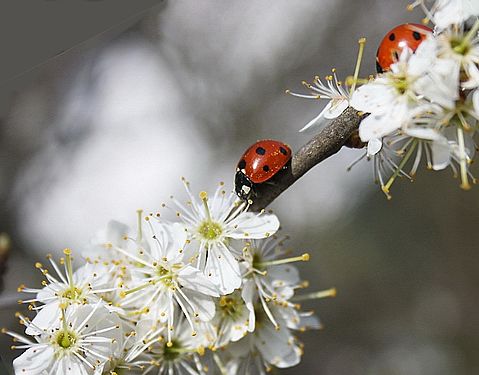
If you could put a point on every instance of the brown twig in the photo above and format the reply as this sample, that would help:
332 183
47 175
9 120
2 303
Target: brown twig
326 143
4 252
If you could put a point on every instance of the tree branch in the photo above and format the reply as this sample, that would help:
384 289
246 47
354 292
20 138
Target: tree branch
328 142
4 252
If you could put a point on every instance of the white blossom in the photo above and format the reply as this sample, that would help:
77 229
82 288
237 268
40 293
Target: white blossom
86 285
77 343
212 225
164 280
333 90
445 13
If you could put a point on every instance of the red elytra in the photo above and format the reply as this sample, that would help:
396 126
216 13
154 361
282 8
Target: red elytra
264 159
408 35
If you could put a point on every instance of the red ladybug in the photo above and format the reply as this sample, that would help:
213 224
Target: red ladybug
408 35
259 164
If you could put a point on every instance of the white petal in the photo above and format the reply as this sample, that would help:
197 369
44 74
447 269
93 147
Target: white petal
277 346
45 318
222 269
316 122
377 126
475 101
375 97
423 133
309 321
251 225
374 146
338 107
441 154
34 361
248 293
204 305
193 279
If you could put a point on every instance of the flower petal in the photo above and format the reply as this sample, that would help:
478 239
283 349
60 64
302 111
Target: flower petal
193 279
336 108
374 146
251 225
34 361
441 154
222 269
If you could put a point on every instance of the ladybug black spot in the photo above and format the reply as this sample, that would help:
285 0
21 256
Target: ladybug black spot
283 151
260 151
265 168
242 164
392 37
416 35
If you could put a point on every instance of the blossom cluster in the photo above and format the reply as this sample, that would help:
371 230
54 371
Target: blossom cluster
212 291
425 105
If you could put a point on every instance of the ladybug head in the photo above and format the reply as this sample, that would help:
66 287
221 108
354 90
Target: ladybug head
244 187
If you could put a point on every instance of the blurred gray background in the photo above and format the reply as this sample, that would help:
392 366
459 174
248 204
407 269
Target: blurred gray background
105 104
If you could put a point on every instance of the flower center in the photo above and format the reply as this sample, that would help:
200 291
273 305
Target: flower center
231 306
257 262
166 276
72 293
460 46
172 352
65 339
400 83
210 230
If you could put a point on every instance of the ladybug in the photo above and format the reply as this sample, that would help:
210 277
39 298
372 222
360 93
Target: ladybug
260 162
408 35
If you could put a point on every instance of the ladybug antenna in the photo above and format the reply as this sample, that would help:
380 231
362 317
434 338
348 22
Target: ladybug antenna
362 43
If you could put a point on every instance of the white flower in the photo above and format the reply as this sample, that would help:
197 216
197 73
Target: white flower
164 280
234 317
445 13
266 347
447 133
333 90
127 359
338 95
79 342
115 235
268 276
461 48
86 285
391 99
440 83
179 354
213 223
